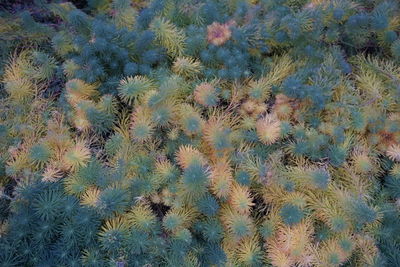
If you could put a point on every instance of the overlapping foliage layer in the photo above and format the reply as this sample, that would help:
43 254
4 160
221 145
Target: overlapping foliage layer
201 133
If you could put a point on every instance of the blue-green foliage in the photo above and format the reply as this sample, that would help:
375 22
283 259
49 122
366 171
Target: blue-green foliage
23 29
208 205
112 200
45 226
393 186
195 178
316 145
105 53
48 226
361 212
320 178
211 230
101 121
242 177
314 82
291 214
396 49
39 153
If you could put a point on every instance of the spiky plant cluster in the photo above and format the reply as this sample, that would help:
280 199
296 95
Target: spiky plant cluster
18 27
168 36
25 74
201 133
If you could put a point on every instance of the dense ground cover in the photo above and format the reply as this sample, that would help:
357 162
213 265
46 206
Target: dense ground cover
200 133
